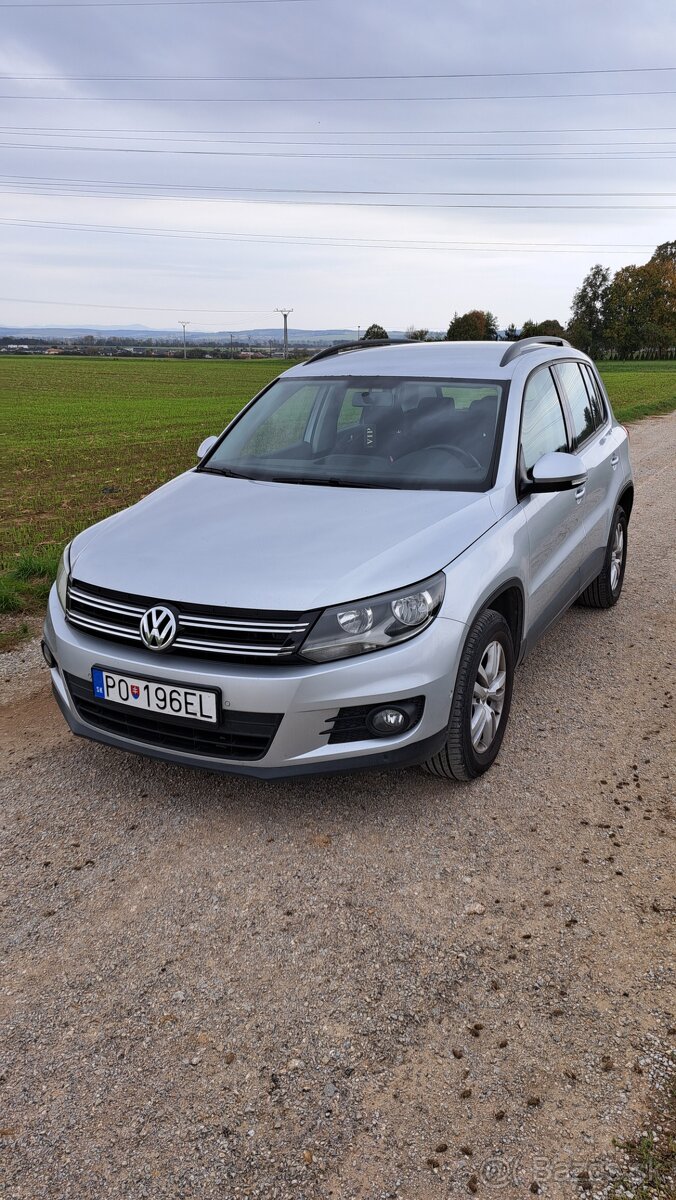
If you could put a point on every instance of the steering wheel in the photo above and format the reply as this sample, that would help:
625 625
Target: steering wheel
458 452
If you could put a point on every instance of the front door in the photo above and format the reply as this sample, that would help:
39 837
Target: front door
555 520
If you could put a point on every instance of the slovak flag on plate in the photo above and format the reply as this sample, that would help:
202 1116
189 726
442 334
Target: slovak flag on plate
135 691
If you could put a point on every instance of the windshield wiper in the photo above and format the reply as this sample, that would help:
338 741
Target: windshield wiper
222 471
323 482
318 481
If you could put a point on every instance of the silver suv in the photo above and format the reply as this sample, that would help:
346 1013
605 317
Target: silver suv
351 573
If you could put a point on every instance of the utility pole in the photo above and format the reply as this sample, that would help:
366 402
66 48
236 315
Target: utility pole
184 323
285 313
231 353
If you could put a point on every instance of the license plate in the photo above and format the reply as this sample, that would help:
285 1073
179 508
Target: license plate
172 699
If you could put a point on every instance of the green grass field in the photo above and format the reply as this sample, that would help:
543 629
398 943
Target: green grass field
82 438
640 389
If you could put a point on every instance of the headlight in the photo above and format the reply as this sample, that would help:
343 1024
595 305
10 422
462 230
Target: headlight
62 577
374 623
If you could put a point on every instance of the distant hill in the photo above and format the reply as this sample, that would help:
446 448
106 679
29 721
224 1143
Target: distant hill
272 333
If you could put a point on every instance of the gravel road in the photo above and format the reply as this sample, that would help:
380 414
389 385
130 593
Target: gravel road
368 986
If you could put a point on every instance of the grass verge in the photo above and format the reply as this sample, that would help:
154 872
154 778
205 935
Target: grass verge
649 1172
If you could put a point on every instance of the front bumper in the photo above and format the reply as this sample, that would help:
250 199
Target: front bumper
307 695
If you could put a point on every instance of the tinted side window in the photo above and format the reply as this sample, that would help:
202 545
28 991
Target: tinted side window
543 429
581 407
464 397
287 424
349 413
595 392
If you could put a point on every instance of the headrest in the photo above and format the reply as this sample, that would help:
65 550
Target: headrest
410 394
434 406
374 398
485 404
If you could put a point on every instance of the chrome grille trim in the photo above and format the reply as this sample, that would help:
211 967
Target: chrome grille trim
103 627
245 627
231 648
111 605
227 634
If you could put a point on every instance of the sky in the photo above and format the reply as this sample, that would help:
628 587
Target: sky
352 160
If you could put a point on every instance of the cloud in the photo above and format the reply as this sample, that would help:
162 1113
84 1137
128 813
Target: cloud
379 148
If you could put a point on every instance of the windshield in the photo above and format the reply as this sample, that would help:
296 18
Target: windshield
367 432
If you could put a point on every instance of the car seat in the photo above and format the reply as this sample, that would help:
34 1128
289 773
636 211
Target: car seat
475 434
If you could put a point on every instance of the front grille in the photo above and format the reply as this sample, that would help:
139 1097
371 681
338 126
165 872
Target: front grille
228 634
239 735
350 724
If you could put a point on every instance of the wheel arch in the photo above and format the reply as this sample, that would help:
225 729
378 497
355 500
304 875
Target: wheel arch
626 500
508 600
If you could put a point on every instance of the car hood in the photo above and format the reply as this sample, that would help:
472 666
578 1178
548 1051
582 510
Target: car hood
210 539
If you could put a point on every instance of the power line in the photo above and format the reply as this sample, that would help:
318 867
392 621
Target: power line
36 191
335 191
565 149
468 245
460 153
128 307
345 132
335 78
328 99
187 136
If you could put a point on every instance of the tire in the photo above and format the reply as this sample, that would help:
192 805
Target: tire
605 590
462 758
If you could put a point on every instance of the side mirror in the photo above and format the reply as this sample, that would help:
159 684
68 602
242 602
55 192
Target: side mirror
205 446
557 472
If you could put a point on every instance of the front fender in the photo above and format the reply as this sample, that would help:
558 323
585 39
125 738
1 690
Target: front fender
497 561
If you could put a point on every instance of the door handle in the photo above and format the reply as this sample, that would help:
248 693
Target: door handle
614 461
579 494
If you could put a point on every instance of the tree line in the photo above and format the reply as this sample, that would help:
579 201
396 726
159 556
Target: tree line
616 315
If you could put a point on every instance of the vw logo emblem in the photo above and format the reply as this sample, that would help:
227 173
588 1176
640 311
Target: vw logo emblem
158 628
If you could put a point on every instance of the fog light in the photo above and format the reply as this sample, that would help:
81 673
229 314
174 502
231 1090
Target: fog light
384 721
47 655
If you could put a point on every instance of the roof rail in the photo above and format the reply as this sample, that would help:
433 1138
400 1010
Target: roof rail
367 344
530 343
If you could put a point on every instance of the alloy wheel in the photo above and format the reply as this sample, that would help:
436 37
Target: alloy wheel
488 697
616 556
